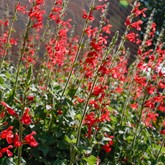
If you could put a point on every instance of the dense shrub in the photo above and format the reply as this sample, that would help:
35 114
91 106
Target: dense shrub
82 102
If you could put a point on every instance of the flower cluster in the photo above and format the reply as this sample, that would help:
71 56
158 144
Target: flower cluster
80 96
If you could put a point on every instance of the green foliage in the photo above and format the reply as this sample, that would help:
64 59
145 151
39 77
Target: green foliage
94 110
159 15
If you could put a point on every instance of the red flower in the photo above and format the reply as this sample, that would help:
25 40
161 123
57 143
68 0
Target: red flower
151 89
90 120
2 114
30 97
100 7
151 117
162 132
161 108
148 42
94 103
161 84
107 28
131 37
9 109
7 134
38 2
105 116
98 90
138 12
79 99
137 24
26 118
84 14
6 149
5 23
107 148
21 8
17 142
59 112
13 41
134 106
91 32
127 22
29 139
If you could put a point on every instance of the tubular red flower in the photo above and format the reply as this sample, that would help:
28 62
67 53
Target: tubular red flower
7 134
137 24
9 109
17 142
6 150
29 139
26 118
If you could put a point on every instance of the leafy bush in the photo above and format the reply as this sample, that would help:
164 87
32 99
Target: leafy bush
82 102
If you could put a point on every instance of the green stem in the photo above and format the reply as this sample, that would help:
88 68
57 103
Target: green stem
157 157
78 52
84 112
20 148
73 152
138 125
20 59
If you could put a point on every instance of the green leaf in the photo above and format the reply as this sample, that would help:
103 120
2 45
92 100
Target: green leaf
124 3
59 162
70 141
129 138
45 149
8 161
78 117
72 92
106 139
1 80
110 108
91 160
29 75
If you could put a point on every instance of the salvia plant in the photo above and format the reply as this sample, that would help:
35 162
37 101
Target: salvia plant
77 100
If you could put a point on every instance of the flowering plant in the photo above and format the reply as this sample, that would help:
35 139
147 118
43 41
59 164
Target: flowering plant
82 102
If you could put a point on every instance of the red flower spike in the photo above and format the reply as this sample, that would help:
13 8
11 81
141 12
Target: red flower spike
26 118
138 12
